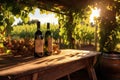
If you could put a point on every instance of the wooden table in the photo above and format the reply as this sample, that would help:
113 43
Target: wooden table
48 68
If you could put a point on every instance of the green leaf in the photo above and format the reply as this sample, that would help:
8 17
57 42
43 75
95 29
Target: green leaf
11 20
26 19
33 11
17 16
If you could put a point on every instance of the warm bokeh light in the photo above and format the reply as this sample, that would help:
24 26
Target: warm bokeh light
95 14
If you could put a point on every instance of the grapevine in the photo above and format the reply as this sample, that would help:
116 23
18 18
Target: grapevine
23 47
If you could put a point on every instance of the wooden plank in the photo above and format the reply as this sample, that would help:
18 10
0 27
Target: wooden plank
51 67
62 70
42 63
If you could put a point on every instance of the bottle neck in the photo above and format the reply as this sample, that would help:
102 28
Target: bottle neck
48 26
38 25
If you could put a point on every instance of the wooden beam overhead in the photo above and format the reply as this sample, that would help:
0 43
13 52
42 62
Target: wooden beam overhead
62 6
67 4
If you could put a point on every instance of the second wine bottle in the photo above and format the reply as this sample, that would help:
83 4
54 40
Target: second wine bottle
48 41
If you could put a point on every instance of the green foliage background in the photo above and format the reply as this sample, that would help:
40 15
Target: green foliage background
69 18
82 33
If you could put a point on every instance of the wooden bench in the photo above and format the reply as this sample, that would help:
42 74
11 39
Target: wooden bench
48 68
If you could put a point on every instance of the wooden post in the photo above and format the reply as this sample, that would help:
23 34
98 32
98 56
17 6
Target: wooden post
91 71
35 76
96 29
68 76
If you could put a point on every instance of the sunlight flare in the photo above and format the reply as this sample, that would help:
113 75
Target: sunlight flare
95 14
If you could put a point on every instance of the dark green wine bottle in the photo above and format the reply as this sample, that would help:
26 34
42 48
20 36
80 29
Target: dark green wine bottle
38 42
48 41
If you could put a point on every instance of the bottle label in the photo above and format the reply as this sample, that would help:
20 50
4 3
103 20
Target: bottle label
50 44
39 45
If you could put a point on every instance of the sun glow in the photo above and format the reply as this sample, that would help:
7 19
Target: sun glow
95 14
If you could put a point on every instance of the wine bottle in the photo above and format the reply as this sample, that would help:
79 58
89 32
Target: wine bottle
48 41
38 42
